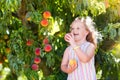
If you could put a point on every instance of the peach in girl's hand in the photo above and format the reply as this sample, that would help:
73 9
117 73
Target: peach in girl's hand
72 62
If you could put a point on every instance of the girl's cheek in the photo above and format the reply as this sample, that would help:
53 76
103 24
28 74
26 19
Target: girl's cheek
71 31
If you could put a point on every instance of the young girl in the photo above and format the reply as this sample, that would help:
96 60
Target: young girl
78 58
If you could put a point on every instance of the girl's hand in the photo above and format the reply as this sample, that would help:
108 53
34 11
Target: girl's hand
69 37
66 37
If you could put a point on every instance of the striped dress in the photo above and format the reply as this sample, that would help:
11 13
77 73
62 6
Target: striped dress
84 71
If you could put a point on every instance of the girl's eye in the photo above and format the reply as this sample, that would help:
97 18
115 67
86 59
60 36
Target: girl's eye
78 28
71 29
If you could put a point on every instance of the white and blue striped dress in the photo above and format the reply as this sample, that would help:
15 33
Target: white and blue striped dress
84 71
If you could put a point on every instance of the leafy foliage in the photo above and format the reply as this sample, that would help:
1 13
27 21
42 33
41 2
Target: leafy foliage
21 32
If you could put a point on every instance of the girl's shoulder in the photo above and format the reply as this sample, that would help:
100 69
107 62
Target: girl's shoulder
68 48
91 45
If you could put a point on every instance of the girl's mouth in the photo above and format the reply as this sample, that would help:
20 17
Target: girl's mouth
76 34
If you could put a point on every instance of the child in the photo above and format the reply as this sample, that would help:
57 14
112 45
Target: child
78 58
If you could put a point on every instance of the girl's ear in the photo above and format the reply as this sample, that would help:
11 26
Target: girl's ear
87 32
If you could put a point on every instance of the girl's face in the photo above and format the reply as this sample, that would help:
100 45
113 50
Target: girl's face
78 29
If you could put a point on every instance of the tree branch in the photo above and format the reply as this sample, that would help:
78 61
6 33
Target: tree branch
22 11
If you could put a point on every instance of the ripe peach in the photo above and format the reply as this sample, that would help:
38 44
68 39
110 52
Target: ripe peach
48 48
72 62
46 14
34 67
37 60
29 42
44 22
37 51
106 2
45 41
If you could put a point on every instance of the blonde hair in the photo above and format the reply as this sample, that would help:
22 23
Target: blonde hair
93 34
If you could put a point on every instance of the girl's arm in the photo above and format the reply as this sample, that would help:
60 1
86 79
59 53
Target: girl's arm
65 61
85 57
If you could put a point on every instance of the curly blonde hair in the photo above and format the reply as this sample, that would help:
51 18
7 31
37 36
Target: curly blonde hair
93 34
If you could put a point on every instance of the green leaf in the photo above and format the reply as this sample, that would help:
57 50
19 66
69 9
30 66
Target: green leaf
113 33
33 75
117 25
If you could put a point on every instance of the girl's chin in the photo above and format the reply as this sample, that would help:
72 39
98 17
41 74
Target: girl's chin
76 40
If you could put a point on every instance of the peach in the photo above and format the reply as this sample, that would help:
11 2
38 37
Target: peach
37 51
29 42
37 60
44 22
46 14
34 67
72 62
106 2
45 41
48 48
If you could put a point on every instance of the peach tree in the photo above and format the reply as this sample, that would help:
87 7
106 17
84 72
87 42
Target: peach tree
31 52
29 40
32 31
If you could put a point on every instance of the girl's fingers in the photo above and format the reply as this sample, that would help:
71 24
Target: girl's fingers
72 68
67 40
75 66
72 35
67 37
